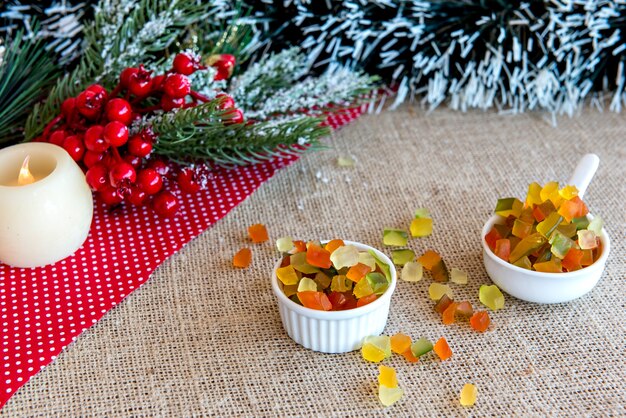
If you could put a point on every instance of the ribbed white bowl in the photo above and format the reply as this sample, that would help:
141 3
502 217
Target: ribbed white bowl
335 331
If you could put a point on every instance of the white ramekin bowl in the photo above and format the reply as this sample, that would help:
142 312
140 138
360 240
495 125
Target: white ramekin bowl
335 331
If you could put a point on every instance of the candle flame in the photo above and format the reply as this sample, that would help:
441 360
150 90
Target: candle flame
25 176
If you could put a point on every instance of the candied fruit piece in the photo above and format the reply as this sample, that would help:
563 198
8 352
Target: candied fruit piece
258 233
464 309
442 304
378 282
527 216
468 395
299 246
408 355
440 272
338 300
595 225
582 223
509 206
572 260
437 290
480 321
400 343
571 209
307 284
362 289
366 300
376 348
429 259
448 315
322 280
527 246
533 196
587 258
412 272
421 347
560 244
548 225
389 396
341 283
491 297
542 211
569 230
492 236
421 227
345 161
384 267
568 192
333 244
458 276
387 376
284 244
503 249
587 239
524 263
367 259
422 213
401 257
290 290
551 191
243 258
442 349
521 229
357 272
345 256
299 262
395 237
315 300
318 257
551 266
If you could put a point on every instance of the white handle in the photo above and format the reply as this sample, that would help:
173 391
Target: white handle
584 172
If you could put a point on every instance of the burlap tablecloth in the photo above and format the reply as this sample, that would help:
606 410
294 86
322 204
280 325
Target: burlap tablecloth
201 338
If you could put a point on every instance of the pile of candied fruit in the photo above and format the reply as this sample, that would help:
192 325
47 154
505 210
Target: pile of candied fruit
549 232
331 277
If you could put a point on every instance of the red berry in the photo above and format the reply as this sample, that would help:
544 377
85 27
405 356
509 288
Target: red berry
126 75
121 174
97 177
74 147
92 158
157 82
224 64
136 196
160 167
137 146
67 107
188 180
110 195
99 90
119 110
165 204
233 117
149 181
140 83
116 133
57 137
89 104
168 103
133 160
94 139
225 101
184 64
176 86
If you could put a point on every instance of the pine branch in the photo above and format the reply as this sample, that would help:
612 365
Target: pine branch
183 138
26 71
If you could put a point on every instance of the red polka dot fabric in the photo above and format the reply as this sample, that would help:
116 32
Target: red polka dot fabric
42 310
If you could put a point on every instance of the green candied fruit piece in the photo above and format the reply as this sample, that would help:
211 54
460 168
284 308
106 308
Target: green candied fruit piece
527 246
491 297
421 347
298 261
568 230
377 281
509 206
524 263
544 254
395 237
560 244
422 213
401 257
362 289
307 284
581 223
548 225
284 244
412 271
384 267
596 225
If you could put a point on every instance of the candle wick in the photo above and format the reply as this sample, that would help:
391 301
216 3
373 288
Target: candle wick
25 176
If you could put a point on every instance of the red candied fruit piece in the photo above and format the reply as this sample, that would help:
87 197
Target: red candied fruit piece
572 260
480 321
442 349
491 238
338 300
366 300
318 257
258 233
315 300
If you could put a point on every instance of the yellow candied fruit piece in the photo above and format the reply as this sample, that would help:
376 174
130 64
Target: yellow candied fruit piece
376 348
437 290
421 227
307 284
458 276
533 197
389 396
287 275
548 189
412 271
568 192
468 395
387 376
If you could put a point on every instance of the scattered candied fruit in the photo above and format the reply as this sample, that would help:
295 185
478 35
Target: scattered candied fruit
243 258
442 349
258 233
376 348
480 321
387 376
389 396
400 343
468 395
491 297
429 259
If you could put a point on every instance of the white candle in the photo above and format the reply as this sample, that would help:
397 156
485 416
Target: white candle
45 205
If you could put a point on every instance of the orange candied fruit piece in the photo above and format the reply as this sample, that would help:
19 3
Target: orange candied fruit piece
318 257
491 238
503 249
357 272
258 233
300 246
573 260
365 300
410 357
480 321
333 244
442 349
448 315
429 259
243 258
400 343
315 300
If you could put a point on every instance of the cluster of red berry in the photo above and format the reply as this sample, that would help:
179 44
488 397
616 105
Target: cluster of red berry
93 127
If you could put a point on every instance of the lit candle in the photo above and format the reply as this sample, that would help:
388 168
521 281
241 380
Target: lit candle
45 205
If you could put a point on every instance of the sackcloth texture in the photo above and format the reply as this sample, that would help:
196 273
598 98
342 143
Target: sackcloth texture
204 339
